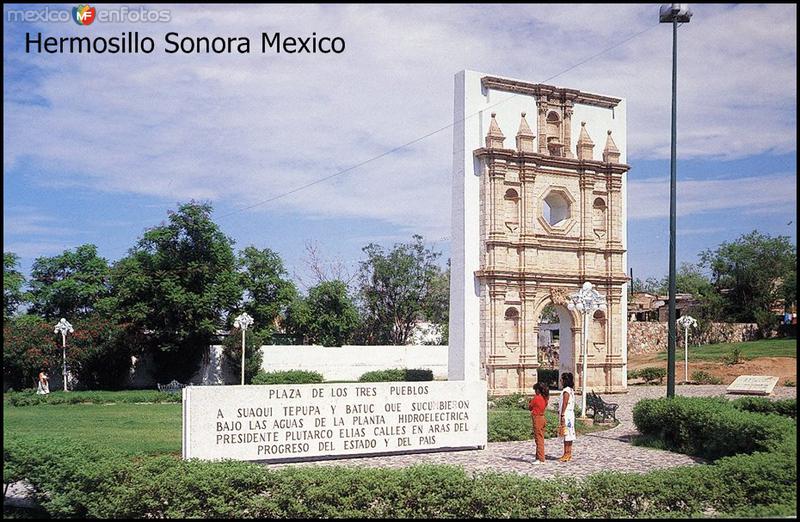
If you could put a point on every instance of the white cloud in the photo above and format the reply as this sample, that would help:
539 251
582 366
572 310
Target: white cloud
26 221
244 129
769 194
33 249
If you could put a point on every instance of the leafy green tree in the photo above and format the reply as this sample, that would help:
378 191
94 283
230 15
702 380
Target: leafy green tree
690 279
267 290
437 307
29 346
99 352
750 273
177 285
327 316
651 285
395 289
68 285
232 348
13 282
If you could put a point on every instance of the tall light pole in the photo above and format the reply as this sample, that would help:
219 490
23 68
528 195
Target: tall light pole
63 327
686 321
244 321
673 13
587 301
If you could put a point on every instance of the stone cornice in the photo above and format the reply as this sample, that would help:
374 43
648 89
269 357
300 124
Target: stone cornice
552 161
550 91
573 246
541 278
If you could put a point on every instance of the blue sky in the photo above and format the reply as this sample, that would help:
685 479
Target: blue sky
98 147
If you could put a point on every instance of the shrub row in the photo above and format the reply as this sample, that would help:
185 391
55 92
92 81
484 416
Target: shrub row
711 427
650 374
288 377
511 425
785 407
397 374
30 398
701 377
510 402
74 480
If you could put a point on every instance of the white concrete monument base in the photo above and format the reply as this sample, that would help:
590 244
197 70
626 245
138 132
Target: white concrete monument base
296 422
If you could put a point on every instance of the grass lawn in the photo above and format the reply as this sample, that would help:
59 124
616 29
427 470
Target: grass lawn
749 350
130 428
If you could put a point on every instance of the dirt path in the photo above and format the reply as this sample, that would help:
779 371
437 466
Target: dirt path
785 368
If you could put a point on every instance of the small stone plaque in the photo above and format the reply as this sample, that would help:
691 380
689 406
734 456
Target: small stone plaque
753 385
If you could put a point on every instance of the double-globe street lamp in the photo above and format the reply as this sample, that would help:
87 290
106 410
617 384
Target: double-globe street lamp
63 327
587 301
687 322
244 321
673 13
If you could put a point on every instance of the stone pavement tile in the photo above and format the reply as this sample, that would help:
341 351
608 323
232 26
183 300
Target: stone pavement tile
608 450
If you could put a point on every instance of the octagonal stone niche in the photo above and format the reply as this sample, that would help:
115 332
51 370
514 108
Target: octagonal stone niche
557 214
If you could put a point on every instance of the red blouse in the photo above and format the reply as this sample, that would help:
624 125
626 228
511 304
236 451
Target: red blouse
537 405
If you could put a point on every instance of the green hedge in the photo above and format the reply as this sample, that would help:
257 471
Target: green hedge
710 427
73 480
288 377
510 425
511 401
397 374
651 374
785 407
30 398
701 377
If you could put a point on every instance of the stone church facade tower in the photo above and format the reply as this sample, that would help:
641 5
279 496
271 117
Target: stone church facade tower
542 211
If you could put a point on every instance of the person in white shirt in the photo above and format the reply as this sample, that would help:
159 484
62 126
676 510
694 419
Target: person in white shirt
43 387
566 411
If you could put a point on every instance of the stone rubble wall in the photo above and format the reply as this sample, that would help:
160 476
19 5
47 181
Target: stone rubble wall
651 337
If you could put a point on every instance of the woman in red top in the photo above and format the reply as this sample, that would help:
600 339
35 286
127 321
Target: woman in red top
537 406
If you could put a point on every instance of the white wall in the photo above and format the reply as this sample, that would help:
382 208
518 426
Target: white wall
348 363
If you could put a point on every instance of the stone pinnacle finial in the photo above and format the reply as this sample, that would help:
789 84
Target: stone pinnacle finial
525 136
585 145
495 138
611 152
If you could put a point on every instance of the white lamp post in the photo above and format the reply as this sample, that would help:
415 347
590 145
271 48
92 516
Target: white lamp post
244 321
587 301
686 321
63 327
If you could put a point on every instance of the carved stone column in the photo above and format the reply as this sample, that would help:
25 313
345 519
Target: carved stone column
542 126
615 211
568 130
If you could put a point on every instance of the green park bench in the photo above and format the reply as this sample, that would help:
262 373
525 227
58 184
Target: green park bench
172 386
600 407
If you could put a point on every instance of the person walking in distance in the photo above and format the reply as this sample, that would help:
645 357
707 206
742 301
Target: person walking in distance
43 387
566 412
537 406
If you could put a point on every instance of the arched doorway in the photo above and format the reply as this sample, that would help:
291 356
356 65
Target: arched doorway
555 340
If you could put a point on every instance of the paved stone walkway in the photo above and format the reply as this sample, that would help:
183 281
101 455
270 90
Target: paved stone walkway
606 450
